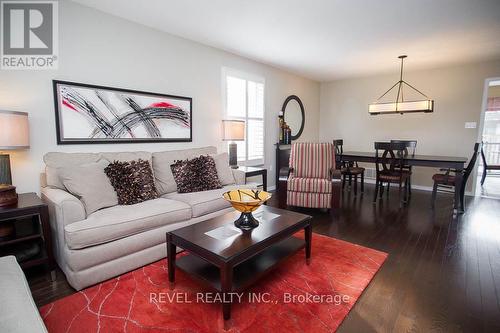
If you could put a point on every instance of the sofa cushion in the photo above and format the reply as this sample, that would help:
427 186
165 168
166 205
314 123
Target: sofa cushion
205 202
195 175
127 156
121 221
312 185
54 161
89 183
18 312
224 171
165 182
309 199
133 181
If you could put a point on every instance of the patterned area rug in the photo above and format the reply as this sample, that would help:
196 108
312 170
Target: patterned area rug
294 297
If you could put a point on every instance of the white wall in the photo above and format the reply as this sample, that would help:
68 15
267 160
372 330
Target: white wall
457 91
98 48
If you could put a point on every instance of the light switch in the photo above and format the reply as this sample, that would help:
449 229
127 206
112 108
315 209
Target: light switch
471 124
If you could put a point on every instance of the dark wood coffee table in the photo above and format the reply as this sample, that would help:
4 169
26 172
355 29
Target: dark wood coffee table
229 260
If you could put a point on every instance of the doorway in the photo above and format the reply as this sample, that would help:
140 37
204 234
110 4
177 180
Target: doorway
490 137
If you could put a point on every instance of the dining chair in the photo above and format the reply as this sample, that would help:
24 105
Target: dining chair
486 166
389 162
349 169
411 148
446 181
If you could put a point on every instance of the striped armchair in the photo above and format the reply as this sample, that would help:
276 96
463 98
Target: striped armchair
311 180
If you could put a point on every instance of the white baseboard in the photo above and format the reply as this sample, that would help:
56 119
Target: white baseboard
417 187
372 181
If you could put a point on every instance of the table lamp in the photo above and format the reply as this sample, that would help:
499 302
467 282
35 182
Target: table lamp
233 130
14 135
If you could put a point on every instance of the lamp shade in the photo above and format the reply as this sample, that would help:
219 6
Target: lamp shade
14 130
233 130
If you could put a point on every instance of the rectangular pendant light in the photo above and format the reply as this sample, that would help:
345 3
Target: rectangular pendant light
401 107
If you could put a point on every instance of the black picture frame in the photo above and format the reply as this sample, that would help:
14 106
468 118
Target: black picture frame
302 124
61 140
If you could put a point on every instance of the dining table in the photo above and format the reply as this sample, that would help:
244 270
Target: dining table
432 161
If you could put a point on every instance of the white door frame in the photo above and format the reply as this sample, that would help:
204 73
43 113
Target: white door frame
481 127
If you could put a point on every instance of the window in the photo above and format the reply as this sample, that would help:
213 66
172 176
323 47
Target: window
244 100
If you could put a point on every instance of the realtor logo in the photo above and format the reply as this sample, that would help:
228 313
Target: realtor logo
29 34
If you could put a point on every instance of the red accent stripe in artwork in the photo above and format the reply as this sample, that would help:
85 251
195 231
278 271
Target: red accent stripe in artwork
162 105
67 104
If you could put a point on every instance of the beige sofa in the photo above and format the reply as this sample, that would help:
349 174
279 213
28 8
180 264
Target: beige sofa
112 241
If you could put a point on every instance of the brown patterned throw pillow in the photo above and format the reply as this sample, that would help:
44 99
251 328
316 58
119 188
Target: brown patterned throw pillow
197 174
133 181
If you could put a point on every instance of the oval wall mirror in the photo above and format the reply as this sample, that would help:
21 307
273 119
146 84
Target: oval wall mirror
294 116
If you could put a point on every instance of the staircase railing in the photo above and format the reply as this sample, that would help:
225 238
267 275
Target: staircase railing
492 152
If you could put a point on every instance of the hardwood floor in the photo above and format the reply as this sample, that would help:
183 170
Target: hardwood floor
491 186
442 274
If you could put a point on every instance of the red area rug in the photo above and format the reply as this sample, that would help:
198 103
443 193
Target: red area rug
294 297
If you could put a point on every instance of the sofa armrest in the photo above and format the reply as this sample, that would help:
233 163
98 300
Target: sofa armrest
336 176
239 176
64 208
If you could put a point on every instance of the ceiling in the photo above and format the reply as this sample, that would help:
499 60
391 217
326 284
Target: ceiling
329 39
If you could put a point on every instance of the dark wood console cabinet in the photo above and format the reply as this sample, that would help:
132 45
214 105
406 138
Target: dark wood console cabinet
282 159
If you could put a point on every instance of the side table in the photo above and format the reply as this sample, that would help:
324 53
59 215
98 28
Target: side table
29 206
255 171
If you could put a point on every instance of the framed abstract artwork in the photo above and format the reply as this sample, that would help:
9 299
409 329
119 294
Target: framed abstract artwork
95 114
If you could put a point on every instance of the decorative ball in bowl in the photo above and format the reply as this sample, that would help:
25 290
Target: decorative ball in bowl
246 201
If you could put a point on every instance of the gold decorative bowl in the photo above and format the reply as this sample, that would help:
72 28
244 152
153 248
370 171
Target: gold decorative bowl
246 201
